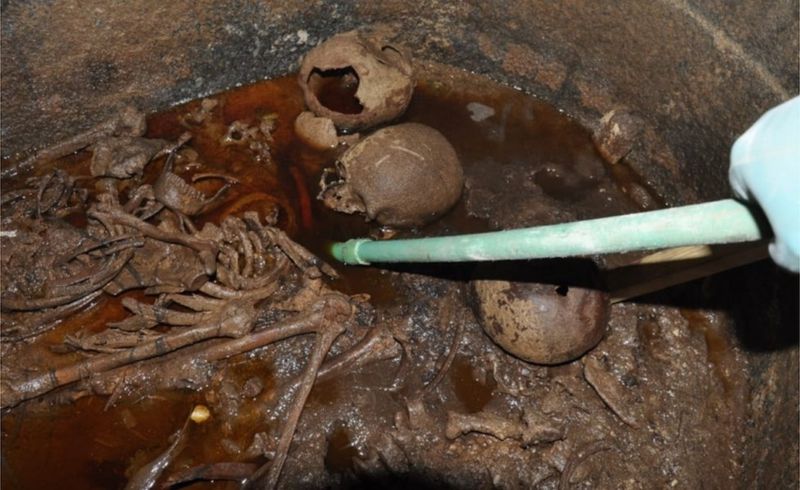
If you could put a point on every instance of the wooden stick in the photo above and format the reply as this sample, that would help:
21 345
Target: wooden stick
670 267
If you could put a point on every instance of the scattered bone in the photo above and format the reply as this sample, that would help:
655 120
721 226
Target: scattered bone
146 477
36 275
177 371
234 319
252 387
612 392
267 207
169 190
317 132
302 258
388 455
126 157
22 326
262 446
616 134
183 199
528 432
458 335
579 456
160 267
116 216
641 196
58 196
332 326
53 195
129 122
213 472
111 340
201 114
239 133
51 268
258 138
416 415
377 345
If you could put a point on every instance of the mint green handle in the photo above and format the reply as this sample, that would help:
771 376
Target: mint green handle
726 221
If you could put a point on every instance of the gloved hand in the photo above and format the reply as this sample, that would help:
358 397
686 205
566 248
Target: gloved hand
765 168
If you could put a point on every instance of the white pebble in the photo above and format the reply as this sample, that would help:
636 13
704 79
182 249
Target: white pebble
480 112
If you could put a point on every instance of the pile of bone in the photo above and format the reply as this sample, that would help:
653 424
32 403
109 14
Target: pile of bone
208 286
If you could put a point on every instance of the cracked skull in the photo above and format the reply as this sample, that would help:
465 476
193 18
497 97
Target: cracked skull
356 81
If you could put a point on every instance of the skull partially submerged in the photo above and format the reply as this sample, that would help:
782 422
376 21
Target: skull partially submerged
542 323
403 175
374 77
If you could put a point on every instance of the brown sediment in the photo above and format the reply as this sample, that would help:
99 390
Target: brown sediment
524 165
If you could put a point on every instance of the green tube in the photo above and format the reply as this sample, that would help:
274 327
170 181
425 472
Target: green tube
725 221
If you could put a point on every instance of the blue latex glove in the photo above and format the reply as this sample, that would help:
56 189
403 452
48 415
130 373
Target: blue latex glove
765 168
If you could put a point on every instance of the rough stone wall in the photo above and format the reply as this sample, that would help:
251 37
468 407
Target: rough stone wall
699 72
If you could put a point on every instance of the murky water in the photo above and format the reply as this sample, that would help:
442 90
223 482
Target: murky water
84 445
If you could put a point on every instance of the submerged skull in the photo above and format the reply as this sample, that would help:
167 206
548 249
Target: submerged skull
356 81
403 175
540 323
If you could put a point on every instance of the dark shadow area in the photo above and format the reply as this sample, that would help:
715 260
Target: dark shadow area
407 481
666 268
336 89
761 298
560 273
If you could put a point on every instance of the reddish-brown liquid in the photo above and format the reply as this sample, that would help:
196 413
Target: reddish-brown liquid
84 445
473 393
340 451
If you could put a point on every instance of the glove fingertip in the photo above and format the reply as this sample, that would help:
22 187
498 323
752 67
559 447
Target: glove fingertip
784 256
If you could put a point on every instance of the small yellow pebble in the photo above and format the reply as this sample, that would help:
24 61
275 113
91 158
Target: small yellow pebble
200 414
